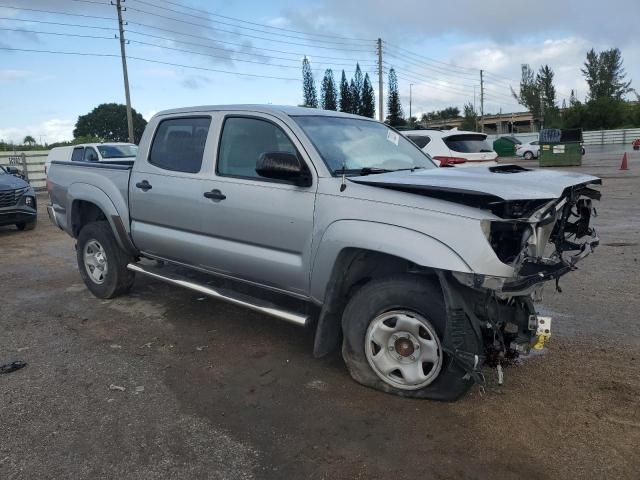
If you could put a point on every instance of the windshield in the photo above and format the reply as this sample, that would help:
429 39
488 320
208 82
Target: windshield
468 143
2 170
355 144
118 151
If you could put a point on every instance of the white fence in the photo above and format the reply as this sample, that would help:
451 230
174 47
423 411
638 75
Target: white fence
593 137
31 163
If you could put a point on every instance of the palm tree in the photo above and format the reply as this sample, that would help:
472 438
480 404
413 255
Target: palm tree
29 140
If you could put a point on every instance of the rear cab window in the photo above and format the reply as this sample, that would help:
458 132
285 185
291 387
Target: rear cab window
90 155
78 154
468 143
178 144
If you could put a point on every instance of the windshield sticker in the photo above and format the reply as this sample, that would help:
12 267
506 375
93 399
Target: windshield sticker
393 137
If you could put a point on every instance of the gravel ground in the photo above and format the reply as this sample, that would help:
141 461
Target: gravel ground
213 391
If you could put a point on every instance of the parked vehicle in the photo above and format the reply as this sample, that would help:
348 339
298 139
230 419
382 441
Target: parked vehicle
529 150
18 204
338 222
454 147
92 152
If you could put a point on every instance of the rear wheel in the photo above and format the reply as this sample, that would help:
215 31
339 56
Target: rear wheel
30 225
101 261
393 330
528 155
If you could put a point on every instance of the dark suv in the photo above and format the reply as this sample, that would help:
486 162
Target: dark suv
17 202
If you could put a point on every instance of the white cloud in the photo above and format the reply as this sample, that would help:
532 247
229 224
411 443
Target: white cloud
9 75
52 130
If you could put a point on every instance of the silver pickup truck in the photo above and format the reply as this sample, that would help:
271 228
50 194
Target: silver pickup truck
336 222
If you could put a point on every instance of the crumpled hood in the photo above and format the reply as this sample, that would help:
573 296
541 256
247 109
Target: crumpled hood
11 182
501 183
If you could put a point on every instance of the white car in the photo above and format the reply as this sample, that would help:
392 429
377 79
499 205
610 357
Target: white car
93 152
529 150
454 147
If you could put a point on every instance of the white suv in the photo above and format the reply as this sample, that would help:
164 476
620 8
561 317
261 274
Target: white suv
529 150
454 147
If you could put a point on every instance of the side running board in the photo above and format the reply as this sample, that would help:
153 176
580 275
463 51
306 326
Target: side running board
239 299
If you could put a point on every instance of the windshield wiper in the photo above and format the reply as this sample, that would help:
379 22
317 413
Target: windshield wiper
372 170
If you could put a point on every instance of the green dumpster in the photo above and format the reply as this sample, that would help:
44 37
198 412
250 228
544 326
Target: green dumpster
506 146
560 147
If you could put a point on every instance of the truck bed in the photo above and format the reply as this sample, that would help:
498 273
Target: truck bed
105 181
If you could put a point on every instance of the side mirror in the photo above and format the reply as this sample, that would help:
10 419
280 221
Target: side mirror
283 166
14 171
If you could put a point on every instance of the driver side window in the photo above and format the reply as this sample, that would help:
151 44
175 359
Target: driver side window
244 140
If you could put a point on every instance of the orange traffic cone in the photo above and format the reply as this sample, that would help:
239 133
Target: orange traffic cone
623 165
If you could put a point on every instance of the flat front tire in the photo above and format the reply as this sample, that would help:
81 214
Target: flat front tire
393 331
101 261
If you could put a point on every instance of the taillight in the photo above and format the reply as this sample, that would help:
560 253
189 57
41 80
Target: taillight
449 161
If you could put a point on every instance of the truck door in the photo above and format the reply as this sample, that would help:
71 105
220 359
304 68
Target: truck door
166 187
262 228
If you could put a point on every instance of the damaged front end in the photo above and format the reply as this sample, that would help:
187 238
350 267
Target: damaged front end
541 242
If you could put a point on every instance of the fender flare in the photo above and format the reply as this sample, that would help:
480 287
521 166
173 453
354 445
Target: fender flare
405 243
92 194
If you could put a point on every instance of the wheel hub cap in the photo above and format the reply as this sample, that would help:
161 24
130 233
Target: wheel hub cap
95 261
403 349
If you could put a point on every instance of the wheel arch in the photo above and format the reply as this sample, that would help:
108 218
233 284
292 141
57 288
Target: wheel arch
90 204
352 253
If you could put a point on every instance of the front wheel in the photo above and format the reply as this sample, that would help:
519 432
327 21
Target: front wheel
30 225
528 155
393 331
101 261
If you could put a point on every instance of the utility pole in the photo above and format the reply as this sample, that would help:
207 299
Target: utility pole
380 83
123 54
481 102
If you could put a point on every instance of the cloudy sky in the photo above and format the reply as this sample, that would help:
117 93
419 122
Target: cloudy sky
194 52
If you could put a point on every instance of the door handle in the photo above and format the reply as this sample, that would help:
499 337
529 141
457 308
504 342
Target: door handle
215 195
144 185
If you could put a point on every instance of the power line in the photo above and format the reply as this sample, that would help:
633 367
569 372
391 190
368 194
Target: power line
245 35
146 12
55 23
56 13
93 54
222 56
298 54
254 23
431 60
56 33
423 65
430 75
250 23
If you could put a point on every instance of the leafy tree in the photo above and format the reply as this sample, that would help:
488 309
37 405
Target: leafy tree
345 95
29 140
368 99
444 114
108 122
394 107
529 95
605 75
310 97
329 93
357 86
470 118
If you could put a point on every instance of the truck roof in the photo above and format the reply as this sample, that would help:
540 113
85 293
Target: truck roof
272 109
